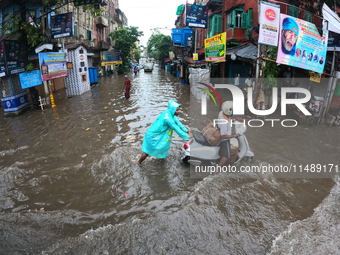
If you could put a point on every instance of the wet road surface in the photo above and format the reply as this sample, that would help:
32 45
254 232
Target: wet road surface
69 183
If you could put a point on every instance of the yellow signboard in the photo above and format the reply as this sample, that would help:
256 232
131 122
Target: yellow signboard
215 47
313 76
195 56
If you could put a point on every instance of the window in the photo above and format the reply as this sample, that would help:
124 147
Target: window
89 35
308 17
237 18
7 17
215 25
293 11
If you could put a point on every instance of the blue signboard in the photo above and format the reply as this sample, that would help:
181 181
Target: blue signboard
14 104
30 79
180 36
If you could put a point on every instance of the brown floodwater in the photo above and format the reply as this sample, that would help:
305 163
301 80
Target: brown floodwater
69 183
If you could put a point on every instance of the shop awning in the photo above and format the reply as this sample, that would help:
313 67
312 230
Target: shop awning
244 52
332 18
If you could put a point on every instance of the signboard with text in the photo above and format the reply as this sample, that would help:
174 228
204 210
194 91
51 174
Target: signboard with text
269 23
62 25
11 57
196 15
30 79
215 47
111 58
52 65
301 45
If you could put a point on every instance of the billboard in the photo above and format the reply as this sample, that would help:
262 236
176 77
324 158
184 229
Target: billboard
111 58
62 25
52 65
269 23
11 57
196 15
301 45
215 47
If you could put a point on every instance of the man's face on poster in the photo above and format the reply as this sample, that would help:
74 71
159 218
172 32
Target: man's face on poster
289 39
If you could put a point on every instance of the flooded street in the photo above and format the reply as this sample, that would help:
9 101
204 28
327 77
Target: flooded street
69 183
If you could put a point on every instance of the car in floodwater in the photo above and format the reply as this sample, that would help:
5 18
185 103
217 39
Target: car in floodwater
148 67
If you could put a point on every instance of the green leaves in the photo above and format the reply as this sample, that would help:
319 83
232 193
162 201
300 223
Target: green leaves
159 45
125 40
271 71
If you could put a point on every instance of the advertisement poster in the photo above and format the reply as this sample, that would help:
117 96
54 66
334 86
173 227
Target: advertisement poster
11 57
316 77
196 15
215 47
62 25
52 65
111 58
269 23
301 45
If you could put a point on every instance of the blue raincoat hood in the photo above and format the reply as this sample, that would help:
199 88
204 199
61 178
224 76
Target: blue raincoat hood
172 106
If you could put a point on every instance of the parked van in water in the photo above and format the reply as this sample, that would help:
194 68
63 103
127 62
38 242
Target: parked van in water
148 67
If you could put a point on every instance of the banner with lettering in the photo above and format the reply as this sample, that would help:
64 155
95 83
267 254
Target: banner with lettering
269 23
215 47
301 45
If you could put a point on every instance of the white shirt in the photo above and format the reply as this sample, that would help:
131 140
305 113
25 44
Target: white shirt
225 129
237 80
248 82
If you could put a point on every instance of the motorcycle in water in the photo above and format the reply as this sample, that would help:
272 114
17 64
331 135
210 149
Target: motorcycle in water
197 150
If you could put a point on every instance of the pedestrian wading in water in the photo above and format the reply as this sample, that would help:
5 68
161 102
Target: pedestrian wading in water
127 87
158 137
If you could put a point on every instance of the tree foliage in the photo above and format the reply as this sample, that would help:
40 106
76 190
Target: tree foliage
271 71
159 45
137 54
125 40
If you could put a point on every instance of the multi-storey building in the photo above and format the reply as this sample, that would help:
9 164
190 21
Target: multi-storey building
240 20
92 32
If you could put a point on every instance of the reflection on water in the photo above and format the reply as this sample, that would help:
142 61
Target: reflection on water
70 185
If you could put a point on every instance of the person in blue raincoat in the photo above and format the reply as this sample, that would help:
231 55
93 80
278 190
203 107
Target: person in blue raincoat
158 137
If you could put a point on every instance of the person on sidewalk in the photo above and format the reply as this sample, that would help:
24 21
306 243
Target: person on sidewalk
158 137
127 87
237 79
